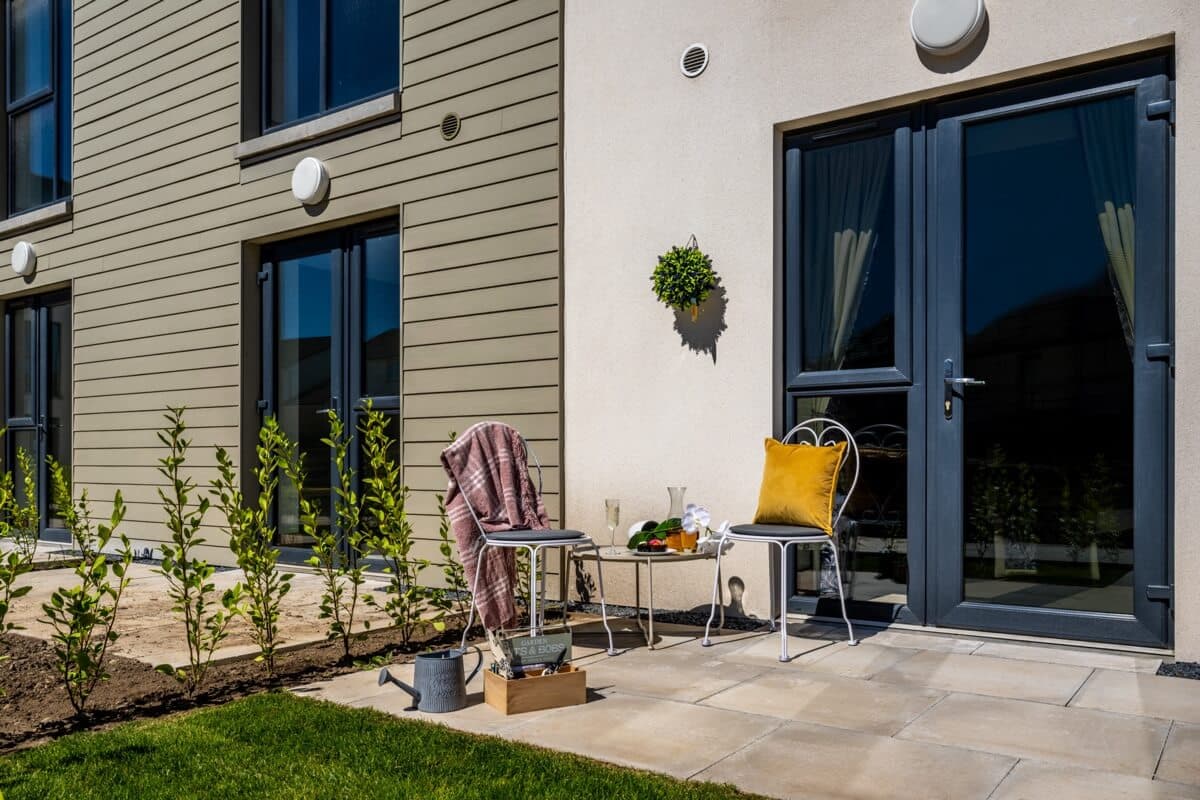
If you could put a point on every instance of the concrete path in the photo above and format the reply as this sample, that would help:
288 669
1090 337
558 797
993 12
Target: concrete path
902 715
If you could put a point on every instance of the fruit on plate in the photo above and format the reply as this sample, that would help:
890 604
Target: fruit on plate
653 530
652 546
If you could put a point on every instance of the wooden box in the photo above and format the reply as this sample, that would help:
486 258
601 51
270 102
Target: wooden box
567 687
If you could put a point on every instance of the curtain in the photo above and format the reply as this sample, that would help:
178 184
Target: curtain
1107 131
843 195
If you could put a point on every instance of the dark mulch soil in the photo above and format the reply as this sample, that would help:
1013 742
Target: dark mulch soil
34 705
1181 669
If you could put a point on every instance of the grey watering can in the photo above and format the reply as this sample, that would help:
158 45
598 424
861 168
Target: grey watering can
440 685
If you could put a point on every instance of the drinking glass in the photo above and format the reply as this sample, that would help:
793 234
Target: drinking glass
612 510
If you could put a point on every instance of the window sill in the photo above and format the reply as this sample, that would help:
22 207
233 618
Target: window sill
37 218
305 132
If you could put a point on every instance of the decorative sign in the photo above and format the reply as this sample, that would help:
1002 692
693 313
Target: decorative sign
525 651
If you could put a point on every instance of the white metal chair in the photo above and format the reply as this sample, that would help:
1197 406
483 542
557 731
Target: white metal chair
534 542
784 536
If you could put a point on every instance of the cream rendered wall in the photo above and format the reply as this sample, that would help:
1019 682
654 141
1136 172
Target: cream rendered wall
651 157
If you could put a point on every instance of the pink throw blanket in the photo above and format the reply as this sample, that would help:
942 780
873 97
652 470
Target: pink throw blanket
487 464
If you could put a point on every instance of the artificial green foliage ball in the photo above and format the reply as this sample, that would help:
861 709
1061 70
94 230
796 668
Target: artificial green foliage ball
683 278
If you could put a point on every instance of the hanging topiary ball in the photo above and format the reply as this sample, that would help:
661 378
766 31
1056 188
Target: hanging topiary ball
684 278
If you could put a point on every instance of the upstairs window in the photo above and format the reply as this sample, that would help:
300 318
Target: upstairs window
38 102
322 55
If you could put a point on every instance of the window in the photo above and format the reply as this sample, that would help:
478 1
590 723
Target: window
38 102
322 55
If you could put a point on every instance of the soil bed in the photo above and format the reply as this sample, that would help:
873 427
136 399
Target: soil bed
34 705
1181 669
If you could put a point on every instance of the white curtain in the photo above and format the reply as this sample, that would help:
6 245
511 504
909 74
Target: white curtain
1106 129
844 193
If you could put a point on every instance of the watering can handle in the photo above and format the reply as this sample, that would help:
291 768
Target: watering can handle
478 663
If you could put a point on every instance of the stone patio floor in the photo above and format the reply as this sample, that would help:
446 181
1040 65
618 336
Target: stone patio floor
904 714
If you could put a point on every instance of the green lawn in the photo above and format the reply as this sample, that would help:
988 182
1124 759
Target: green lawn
280 746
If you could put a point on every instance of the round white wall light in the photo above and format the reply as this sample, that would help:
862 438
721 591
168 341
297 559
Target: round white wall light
24 258
943 27
310 181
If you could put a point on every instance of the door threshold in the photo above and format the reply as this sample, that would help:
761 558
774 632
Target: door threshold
993 636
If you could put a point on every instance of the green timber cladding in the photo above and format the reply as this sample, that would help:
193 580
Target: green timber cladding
161 248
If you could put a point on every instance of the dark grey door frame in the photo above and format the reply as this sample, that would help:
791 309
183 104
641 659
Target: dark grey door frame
1149 625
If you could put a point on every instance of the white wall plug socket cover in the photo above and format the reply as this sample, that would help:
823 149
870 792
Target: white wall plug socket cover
310 181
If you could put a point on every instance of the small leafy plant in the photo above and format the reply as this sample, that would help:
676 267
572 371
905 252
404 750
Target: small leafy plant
454 599
18 559
684 278
189 578
252 537
392 534
83 617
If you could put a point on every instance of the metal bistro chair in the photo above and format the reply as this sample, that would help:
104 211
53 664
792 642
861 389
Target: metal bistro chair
784 536
534 542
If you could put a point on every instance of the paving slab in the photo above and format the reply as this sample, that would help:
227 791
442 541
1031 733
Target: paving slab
975 674
667 674
809 761
678 739
1073 736
827 700
1181 757
762 649
917 640
1032 780
1147 695
1075 656
860 661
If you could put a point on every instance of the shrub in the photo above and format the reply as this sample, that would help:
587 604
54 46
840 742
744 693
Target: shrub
83 617
455 598
684 278
252 537
189 579
386 498
18 560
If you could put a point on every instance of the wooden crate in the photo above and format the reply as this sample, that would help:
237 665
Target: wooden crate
567 687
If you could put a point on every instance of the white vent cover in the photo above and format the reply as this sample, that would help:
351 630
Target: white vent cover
694 60
310 181
943 27
24 258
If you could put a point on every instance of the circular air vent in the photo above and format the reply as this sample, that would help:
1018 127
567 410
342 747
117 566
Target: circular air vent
450 126
694 60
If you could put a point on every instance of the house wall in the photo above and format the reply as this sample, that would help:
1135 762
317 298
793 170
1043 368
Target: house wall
651 157
163 213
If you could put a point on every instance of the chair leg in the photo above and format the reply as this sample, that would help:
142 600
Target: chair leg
474 594
841 593
533 596
612 650
706 642
783 595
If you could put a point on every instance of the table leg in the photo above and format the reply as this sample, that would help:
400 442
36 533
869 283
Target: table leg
637 600
721 596
650 608
564 587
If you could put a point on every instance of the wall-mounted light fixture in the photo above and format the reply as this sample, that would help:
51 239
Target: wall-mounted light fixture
943 27
310 181
24 258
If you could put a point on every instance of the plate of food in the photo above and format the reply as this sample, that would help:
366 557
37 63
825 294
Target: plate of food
651 539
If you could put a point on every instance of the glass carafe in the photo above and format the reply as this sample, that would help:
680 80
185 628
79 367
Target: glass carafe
674 539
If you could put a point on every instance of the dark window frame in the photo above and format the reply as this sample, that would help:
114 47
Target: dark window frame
58 93
255 58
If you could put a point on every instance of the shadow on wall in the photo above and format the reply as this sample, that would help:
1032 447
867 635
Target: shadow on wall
736 607
701 336
960 60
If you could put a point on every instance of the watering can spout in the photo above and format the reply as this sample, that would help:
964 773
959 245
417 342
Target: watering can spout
387 677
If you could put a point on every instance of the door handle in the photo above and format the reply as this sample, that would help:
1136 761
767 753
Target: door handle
949 381
333 406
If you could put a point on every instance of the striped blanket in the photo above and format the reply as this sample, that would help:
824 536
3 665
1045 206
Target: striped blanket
488 466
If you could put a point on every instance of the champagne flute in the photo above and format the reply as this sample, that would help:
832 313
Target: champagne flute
612 510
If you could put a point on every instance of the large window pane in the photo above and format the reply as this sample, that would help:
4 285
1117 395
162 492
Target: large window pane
1048 323
873 535
381 316
30 39
22 398
34 153
58 395
848 259
364 49
294 60
62 99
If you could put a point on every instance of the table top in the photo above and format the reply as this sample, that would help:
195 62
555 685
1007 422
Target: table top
624 554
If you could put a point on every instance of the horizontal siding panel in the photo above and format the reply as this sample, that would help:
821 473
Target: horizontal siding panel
216 110
536 31
514 65
172 344
435 429
482 198
481 301
491 376
158 326
154 400
496 401
94 17
122 476
478 251
173 305
164 382
179 197
199 458
156 17
475 27
151 419
162 111
137 164
202 440
439 16
499 323
482 351
422 285
157 364
147 290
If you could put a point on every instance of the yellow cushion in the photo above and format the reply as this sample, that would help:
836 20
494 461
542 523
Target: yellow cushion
798 485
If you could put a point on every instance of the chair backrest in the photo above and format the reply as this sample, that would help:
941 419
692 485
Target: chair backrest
825 432
530 455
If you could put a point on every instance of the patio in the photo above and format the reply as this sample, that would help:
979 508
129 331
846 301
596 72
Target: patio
904 714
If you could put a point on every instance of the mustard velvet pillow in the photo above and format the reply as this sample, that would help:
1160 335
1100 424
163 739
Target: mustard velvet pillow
799 483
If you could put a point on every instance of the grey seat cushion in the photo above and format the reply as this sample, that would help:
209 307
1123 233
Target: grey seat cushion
534 536
777 531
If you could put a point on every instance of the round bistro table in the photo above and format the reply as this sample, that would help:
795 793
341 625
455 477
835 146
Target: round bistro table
622 555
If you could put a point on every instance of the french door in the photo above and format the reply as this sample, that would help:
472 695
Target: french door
37 398
331 340
981 291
